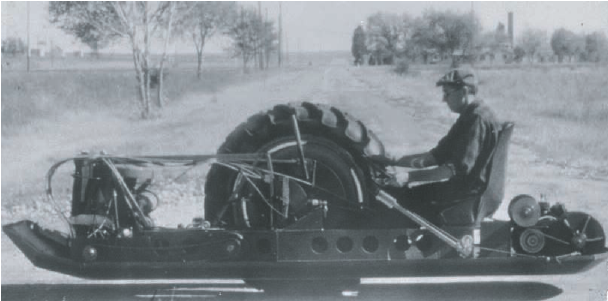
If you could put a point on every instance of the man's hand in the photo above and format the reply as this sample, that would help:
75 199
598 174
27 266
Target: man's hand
417 161
384 160
397 178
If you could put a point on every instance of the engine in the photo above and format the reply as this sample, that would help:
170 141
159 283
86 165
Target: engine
550 230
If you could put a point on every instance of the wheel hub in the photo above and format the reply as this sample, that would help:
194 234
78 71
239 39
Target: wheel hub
579 240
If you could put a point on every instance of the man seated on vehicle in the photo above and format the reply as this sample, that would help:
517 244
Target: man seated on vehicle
459 165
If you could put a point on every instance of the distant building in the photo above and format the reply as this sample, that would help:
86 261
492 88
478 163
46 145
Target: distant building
78 53
47 51
45 47
500 52
503 54
433 56
55 51
39 52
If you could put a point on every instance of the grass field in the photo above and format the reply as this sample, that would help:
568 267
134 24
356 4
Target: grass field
565 109
46 95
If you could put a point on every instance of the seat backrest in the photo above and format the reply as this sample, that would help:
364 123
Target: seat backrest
495 191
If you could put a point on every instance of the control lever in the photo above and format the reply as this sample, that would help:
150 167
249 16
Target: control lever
464 246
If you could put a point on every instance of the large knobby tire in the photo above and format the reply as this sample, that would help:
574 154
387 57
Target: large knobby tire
338 141
335 177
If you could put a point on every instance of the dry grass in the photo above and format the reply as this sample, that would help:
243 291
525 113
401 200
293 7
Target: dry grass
560 112
28 98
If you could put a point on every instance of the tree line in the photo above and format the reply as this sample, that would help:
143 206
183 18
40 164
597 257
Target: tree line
386 37
98 24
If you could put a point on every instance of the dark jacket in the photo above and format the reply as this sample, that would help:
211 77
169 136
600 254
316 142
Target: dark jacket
469 145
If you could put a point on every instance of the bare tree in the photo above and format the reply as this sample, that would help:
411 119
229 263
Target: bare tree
199 21
269 41
137 21
245 35
161 68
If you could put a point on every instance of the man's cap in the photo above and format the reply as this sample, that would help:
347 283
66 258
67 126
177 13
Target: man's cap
460 77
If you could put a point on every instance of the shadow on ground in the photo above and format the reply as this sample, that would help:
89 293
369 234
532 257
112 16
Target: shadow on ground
440 291
462 291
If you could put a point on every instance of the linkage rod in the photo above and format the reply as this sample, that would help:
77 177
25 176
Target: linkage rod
296 130
446 237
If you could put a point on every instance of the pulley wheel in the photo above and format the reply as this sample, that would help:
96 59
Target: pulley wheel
532 241
524 210
586 233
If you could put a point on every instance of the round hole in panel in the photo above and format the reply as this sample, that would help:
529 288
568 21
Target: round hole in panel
319 245
370 244
344 244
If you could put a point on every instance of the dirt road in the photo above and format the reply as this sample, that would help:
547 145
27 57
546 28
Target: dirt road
391 107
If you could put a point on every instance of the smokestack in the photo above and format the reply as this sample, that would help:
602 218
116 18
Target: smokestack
511 28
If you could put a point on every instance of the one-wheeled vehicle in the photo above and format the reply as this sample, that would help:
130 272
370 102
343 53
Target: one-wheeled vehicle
292 196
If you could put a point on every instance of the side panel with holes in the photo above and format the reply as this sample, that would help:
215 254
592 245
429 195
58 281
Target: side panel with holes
345 245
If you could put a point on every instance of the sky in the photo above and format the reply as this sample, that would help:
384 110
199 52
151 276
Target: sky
328 26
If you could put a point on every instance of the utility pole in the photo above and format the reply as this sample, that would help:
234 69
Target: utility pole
52 53
280 33
473 27
267 39
244 54
261 38
28 37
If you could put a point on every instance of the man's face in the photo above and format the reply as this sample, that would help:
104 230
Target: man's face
454 97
